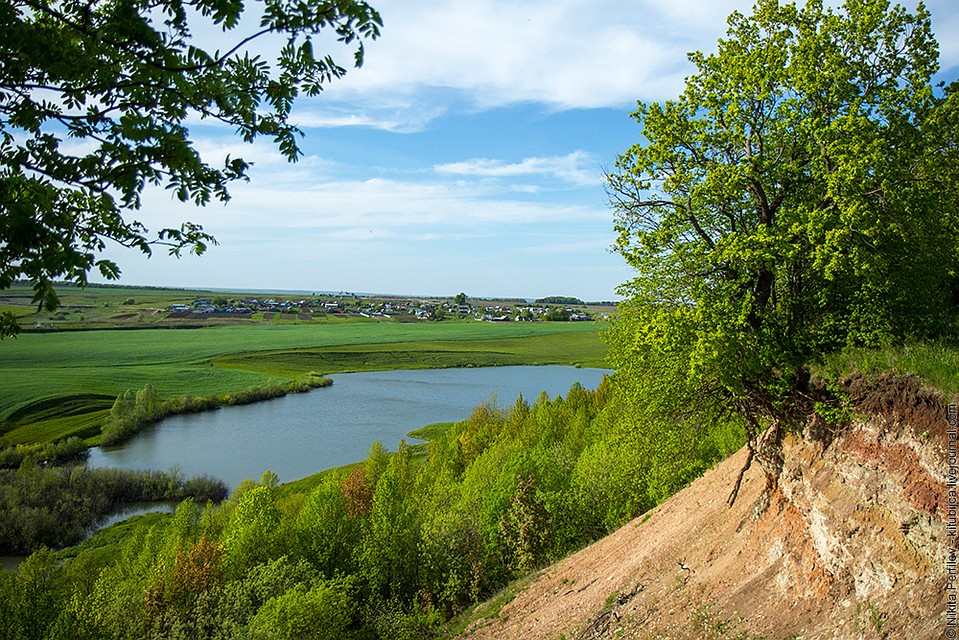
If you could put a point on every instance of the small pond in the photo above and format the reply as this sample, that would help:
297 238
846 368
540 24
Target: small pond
301 434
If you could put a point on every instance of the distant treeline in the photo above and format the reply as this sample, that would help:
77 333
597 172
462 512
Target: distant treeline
57 506
560 300
63 284
575 301
392 549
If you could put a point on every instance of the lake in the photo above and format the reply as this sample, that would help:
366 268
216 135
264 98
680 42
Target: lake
301 434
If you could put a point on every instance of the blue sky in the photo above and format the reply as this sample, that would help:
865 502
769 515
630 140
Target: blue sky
466 155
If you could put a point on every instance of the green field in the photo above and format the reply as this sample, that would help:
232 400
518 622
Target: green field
96 307
62 383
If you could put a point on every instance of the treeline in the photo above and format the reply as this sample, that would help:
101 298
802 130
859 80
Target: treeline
63 451
560 300
57 506
390 550
132 411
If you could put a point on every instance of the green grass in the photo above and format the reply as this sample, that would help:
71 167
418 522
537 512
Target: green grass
936 363
431 431
168 346
95 306
307 484
103 548
17 310
85 425
572 348
489 608
58 384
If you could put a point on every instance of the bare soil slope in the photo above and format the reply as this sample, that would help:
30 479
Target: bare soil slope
852 543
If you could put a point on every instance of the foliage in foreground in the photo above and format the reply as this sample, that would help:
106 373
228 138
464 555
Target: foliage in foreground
391 549
124 78
800 196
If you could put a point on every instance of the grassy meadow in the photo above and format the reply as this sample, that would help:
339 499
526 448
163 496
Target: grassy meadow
61 383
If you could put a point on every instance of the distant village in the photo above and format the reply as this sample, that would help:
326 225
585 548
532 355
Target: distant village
356 306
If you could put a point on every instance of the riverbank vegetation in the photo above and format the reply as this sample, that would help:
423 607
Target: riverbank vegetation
392 547
57 506
132 412
56 453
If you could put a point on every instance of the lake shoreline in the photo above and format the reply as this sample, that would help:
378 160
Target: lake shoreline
427 430
300 434
125 424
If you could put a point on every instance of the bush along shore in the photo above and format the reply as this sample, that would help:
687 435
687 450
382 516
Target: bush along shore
57 506
68 450
48 498
133 411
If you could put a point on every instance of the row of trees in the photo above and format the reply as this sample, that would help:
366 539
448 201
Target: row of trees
133 411
391 549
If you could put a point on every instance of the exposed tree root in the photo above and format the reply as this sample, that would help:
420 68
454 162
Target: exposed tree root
599 626
731 500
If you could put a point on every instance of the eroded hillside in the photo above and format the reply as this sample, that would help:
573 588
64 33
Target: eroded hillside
852 543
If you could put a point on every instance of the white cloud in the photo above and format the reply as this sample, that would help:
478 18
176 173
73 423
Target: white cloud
567 53
579 168
404 116
562 53
365 209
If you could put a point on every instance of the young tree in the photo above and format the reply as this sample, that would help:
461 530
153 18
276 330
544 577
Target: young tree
123 77
799 196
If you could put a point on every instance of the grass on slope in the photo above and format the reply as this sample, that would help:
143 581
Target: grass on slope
935 362
103 547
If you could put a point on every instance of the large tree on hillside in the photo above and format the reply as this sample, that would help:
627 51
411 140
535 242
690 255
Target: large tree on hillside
95 96
799 196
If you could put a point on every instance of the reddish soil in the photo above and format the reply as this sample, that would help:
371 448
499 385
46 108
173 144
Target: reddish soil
852 543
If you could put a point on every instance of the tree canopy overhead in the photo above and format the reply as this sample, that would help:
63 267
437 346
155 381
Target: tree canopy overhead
800 195
94 102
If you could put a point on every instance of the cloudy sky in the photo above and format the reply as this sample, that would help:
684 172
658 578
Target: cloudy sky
466 155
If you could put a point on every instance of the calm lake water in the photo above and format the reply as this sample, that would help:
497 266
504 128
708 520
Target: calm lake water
301 434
